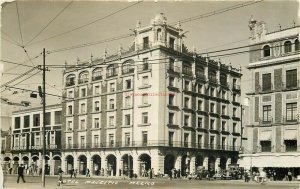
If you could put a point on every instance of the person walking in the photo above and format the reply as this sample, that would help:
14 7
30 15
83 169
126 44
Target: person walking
21 173
71 173
60 176
290 175
88 173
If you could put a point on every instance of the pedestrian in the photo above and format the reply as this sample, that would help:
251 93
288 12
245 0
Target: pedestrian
179 174
21 173
88 173
246 176
60 176
262 176
71 173
75 173
290 175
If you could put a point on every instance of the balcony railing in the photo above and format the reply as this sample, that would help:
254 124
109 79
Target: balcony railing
96 78
151 143
70 83
144 67
127 71
36 147
143 46
201 77
83 80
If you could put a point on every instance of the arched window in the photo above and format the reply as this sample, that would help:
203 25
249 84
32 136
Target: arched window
266 51
223 79
83 77
287 46
297 45
111 104
97 74
70 80
112 70
128 67
200 72
158 34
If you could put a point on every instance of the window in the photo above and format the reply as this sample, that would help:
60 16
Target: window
69 142
97 74
172 81
145 138
83 92
82 108
200 73
146 43
200 122
266 82
186 85
48 118
26 121
287 46
112 87
200 87
127 119
171 64
290 145
187 68
112 70
97 106
171 118
266 51
82 141
212 107
212 91
186 139
234 97
70 80
111 104
145 81
127 139
297 45
265 146
186 102
128 84
212 142
223 143
234 127
83 77
223 109
111 120
82 124
171 43
57 117
171 99
186 120
145 117
96 123
223 79
291 79
223 94
145 98
267 114
97 89
224 126
212 124
127 101
70 125
128 67
145 65
200 141
171 138
200 105
36 119
234 112
291 112
96 140
70 94
111 139
70 110
212 76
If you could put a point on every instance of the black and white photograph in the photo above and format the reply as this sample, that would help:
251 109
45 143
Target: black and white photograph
133 94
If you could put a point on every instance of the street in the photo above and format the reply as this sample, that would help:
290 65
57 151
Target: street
91 183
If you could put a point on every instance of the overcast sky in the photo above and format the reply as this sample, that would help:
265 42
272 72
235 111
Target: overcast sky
221 31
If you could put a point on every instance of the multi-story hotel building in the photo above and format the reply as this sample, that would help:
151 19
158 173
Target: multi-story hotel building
154 106
24 142
274 129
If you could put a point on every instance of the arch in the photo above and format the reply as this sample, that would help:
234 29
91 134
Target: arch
97 74
185 165
297 45
111 169
287 46
16 158
56 162
83 77
15 164
127 164
223 161
6 164
70 80
211 164
96 167
128 66
69 162
158 34
234 160
266 51
6 159
169 162
82 164
199 162
145 164
112 70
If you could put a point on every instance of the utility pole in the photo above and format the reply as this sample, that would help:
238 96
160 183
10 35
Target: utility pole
44 117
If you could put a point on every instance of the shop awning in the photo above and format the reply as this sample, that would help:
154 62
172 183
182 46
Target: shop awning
290 134
265 136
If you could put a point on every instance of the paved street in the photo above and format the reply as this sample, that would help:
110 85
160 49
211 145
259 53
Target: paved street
35 182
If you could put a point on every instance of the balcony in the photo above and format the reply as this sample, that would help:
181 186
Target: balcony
201 77
187 71
213 80
174 69
144 67
96 78
83 80
70 83
112 73
236 87
143 46
128 71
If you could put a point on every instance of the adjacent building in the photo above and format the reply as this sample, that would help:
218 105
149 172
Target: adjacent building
23 142
157 105
274 129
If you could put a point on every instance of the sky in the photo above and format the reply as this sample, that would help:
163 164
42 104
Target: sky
21 21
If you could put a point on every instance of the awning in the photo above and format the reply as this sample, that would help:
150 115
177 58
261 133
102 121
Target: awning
265 136
290 134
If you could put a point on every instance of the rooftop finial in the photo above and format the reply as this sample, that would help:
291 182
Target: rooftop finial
138 24
279 26
104 54
78 60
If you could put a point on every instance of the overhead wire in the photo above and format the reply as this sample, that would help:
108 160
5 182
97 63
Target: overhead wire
9 37
15 63
57 15
19 22
85 25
